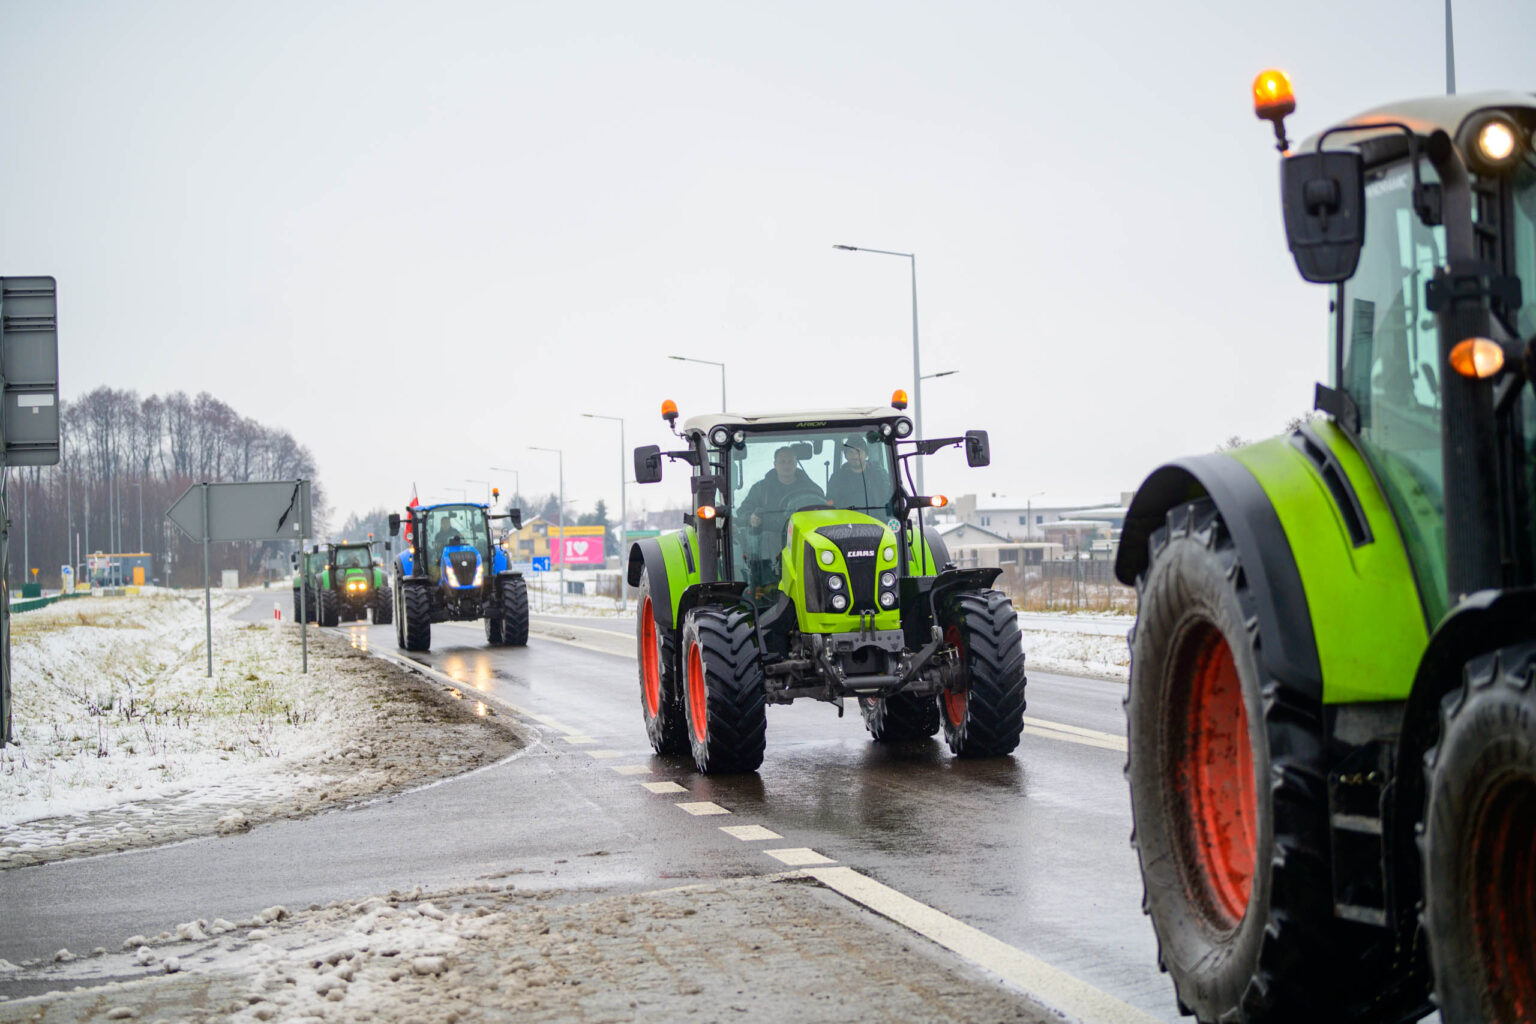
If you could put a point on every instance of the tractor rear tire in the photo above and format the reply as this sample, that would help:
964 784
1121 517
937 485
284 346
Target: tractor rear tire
514 611
416 623
899 717
1479 844
661 698
1229 802
298 612
330 610
725 703
383 606
987 717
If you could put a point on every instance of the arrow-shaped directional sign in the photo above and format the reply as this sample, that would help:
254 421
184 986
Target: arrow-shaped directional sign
260 510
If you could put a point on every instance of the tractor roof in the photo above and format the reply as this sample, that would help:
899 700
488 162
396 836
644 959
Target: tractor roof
1425 116
789 420
451 504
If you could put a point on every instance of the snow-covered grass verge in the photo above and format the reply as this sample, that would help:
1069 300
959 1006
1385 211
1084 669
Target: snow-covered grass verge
493 953
123 740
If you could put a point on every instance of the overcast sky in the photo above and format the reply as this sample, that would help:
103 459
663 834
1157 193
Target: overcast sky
423 237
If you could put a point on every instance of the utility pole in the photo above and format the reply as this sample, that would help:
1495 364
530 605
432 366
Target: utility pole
1450 53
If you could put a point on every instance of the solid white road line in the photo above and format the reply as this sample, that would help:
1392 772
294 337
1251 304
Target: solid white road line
1050 985
1087 741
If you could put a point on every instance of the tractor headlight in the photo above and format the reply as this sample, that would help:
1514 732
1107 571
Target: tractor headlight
839 602
885 430
479 575
720 437
887 599
903 427
739 438
834 583
827 557
887 579
888 555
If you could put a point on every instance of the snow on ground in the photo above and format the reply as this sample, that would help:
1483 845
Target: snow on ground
122 739
492 952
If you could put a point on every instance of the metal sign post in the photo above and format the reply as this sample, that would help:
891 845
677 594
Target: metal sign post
304 604
29 420
260 510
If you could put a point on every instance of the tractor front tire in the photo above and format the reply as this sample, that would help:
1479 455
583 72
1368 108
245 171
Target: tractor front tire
514 611
661 699
1479 844
987 717
725 698
899 717
1229 803
383 606
415 629
329 610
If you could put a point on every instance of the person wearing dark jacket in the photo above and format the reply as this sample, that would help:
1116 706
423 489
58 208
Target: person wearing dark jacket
766 510
856 484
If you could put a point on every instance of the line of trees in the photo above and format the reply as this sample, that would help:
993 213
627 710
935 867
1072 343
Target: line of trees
124 461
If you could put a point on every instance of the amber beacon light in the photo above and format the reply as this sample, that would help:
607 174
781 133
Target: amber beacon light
899 398
1479 358
1274 101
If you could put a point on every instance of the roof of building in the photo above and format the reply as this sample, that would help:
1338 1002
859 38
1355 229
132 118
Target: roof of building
950 529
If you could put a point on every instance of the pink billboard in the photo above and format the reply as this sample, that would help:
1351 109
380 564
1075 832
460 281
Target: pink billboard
579 548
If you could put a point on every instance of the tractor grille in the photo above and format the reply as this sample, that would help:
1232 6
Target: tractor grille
860 545
463 563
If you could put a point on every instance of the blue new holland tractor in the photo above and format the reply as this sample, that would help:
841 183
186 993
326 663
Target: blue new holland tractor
450 570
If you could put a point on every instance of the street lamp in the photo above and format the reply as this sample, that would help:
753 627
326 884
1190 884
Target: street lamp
463 494
941 373
472 480
623 507
707 362
917 373
560 514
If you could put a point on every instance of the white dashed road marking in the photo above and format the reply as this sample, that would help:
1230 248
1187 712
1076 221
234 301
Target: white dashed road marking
703 807
579 740
604 755
632 769
1052 986
799 857
749 833
663 787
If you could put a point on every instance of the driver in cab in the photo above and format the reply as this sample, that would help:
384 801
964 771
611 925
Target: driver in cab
784 481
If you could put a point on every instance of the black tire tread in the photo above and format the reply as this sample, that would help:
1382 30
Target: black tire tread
383 606
666 730
900 717
994 658
514 611
416 624
735 691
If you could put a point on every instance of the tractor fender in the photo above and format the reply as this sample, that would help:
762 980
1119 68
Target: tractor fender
937 548
671 563
727 593
403 562
1289 646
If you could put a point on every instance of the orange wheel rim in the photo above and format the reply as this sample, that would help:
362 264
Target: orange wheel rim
650 661
955 701
1221 798
1503 891
697 702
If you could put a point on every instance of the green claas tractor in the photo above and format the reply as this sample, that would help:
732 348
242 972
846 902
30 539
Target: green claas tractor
350 585
307 568
1332 705
804 570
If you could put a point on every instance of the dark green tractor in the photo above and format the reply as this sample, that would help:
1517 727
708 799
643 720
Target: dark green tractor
1332 706
349 585
804 571
307 567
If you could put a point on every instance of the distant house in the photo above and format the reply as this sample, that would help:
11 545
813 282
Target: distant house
1027 518
972 546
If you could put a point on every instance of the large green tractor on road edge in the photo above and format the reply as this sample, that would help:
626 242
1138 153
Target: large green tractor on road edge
1331 714
805 571
350 585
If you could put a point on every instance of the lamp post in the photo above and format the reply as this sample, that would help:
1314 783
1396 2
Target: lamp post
941 373
623 507
560 514
707 362
463 493
917 372
472 480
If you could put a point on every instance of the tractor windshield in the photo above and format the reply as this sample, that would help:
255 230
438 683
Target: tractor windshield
456 525
775 474
1389 362
352 558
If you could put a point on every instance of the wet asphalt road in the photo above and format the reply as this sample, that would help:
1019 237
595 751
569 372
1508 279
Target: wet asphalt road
1030 849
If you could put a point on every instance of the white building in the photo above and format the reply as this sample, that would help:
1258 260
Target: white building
1026 518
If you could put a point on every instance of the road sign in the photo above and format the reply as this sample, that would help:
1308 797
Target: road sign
522 567
29 366
541 563
261 510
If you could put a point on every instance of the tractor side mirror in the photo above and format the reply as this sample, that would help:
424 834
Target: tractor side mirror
293 559
978 450
648 464
394 524
1323 199
517 518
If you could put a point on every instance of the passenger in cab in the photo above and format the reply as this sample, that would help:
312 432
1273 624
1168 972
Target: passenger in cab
856 484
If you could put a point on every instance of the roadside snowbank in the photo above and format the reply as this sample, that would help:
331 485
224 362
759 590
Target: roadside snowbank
492 952
122 739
